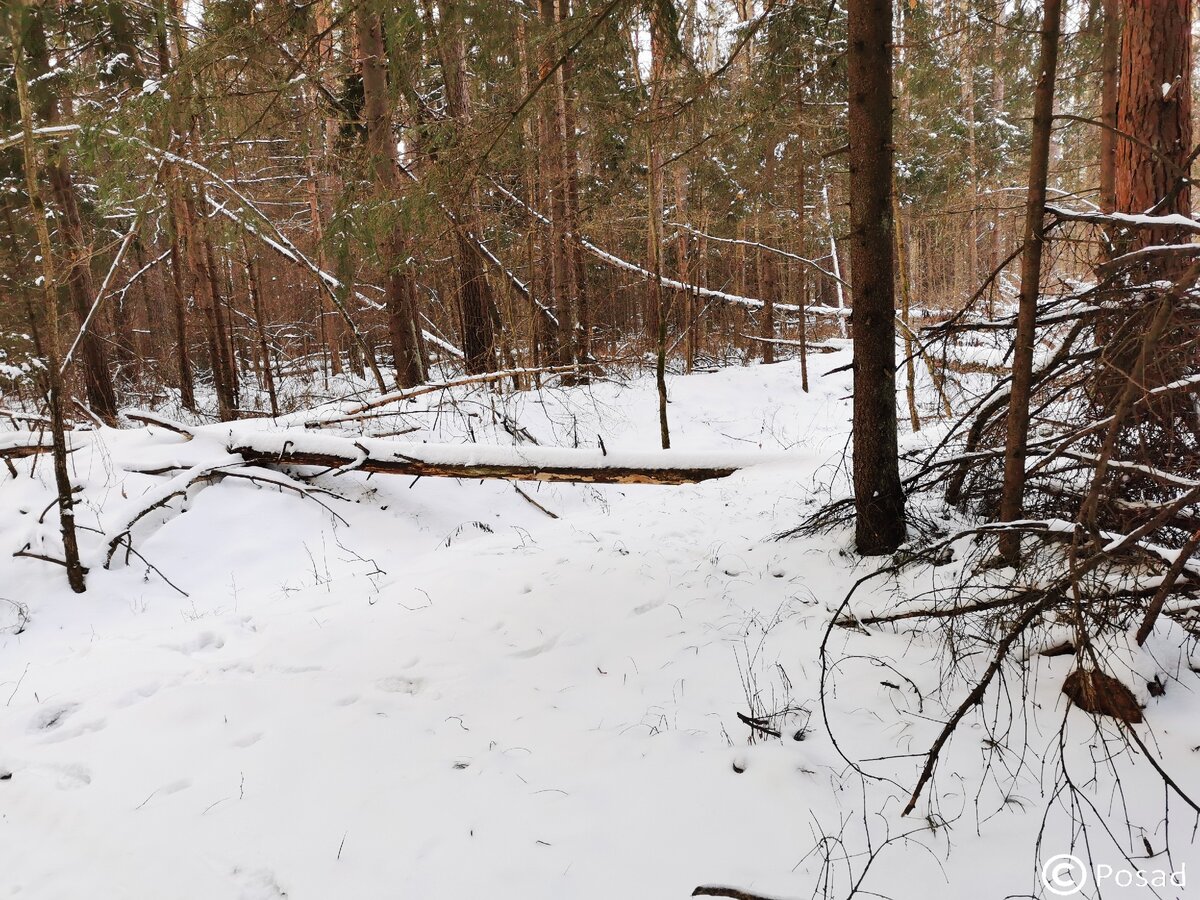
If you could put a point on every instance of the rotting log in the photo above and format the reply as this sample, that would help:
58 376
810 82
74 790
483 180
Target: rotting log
419 468
341 455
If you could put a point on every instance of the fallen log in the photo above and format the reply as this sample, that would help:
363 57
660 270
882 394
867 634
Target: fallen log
20 444
338 456
20 451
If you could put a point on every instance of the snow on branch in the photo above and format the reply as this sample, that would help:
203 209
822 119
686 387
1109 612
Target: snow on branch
619 263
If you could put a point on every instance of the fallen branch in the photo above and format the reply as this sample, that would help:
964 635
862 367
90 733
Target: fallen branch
158 498
533 503
810 346
26 552
181 485
756 725
159 422
15 417
717 890
20 444
20 451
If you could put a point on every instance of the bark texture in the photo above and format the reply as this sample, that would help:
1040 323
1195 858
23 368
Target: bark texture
1154 106
879 500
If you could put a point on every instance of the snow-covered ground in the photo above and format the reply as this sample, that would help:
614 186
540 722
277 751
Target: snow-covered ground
443 692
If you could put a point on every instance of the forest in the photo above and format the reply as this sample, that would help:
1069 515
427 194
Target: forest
589 448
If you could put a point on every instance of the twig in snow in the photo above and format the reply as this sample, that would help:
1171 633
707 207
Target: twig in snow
532 502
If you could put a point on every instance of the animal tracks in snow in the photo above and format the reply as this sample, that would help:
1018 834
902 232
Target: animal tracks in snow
137 695
248 740
58 723
259 884
400 684
537 649
64 776
205 640
50 717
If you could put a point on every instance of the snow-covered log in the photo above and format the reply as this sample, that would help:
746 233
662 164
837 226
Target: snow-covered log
341 455
20 444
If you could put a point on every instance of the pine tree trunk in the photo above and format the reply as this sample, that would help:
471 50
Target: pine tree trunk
654 219
998 93
1110 68
560 186
564 97
48 317
967 74
879 499
801 235
541 331
253 287
322 137
203 281
1013 489
1154 103
78 278
408 349
187 391
475 293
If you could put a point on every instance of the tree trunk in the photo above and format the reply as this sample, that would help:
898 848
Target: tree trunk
556 156
879 499
997 113
1013 489
1110 68
1154 104
801 235
48 332
475 292
322 138
78 278
910 367
204 283
542 333
654 217
187 392
253 287
408 349
967 75
582 321
834 256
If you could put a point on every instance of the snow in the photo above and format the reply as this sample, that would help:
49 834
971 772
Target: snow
445 693
490 455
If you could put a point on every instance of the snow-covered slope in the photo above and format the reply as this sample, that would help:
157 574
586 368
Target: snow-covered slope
443 692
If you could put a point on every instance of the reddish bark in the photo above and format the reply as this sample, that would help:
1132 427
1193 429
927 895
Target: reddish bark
1154 106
